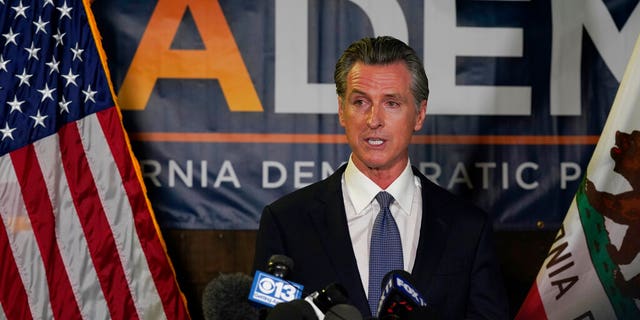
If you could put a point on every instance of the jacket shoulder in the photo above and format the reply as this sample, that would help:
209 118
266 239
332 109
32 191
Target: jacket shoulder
440 197
324 190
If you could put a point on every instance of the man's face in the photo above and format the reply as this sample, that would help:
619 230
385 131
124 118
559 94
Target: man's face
379 116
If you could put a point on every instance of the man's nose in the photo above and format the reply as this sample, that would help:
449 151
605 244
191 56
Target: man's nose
375 116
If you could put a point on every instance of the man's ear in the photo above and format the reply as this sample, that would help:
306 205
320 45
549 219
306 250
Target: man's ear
340 115
422 115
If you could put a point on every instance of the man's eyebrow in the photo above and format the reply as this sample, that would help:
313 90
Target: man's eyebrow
397 97
388 95
357 92
393 96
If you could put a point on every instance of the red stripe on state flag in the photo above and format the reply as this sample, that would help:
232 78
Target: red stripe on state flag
13 297
97 229
152 245
532 307
40 210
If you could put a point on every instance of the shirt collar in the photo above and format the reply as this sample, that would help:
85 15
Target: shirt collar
362 190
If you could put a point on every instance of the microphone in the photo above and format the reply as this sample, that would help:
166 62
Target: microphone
316 305
269 289
343 312
279 265
224 298
293 310
326 298
400 299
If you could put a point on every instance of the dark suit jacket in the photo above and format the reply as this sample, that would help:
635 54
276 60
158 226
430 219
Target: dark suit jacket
455 267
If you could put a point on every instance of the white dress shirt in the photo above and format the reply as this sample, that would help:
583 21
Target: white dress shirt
358 192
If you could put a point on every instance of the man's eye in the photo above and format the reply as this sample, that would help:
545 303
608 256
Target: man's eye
392 104
359 102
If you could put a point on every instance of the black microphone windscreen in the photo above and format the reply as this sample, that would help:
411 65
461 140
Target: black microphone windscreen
293 310
402 273
225 298
330 296
399 299
343 312
279 265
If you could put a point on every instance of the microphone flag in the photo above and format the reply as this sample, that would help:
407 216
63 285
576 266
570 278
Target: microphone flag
269 290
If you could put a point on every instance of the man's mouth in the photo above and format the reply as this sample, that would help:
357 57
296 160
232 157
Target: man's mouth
375 142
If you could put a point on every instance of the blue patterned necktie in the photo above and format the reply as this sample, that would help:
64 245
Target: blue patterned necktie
386 249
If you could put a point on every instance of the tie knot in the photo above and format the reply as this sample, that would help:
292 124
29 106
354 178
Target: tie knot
384 199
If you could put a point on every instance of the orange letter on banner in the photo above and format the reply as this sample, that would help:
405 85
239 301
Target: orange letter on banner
220 60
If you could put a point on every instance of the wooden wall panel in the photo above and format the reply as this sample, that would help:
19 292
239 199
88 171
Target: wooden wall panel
199 256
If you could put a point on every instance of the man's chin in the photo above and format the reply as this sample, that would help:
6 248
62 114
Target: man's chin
377 166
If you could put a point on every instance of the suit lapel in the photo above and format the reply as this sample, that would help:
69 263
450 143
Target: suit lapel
331 223
330 220
433 230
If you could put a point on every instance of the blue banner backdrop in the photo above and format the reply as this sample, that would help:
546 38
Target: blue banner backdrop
520 91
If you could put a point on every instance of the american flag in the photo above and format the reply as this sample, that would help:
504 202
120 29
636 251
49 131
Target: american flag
78 237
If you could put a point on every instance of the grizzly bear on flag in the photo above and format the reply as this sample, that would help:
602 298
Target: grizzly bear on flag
623 208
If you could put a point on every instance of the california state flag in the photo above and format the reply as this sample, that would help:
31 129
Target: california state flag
592 270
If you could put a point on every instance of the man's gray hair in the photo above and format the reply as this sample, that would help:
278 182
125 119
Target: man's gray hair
381 51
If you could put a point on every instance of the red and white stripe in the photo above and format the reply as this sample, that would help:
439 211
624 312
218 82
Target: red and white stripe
79 239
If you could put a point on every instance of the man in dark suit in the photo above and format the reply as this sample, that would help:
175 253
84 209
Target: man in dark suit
329 227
